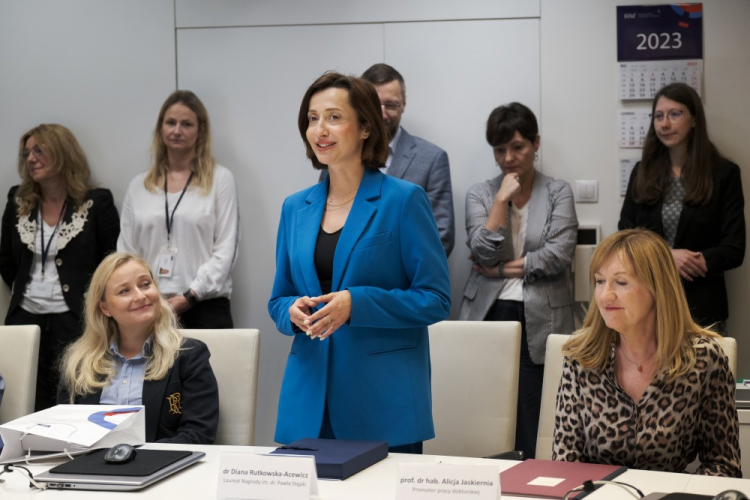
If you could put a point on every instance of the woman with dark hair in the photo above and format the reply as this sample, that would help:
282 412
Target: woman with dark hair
57 227
360 274
182 216
521 228
683 190
643 385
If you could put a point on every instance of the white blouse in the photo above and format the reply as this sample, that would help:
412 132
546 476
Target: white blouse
53 301
513 287
205 232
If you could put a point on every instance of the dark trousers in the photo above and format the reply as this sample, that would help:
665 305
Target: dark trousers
58 331
208 314
530 379
326 432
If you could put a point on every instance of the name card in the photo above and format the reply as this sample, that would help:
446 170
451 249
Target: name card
448 481
267 477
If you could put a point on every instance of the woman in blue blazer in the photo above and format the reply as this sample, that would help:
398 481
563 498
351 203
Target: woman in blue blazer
360 274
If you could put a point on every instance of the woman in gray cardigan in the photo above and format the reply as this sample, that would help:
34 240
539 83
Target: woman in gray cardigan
521 228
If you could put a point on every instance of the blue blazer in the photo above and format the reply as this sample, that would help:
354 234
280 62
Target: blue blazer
373 372
426 165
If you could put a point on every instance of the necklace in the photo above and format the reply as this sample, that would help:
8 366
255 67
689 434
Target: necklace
340 204
639 365
337 207
330 200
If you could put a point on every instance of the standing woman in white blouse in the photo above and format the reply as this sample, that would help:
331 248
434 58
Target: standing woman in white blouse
182 216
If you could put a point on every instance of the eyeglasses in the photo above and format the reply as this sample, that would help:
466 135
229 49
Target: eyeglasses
36 150
392 106
673 115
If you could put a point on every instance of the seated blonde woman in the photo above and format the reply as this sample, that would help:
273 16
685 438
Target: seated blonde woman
131 353
643 385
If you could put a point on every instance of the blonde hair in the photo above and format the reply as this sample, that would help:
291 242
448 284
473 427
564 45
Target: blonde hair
654 268
88 364
203 163
66 158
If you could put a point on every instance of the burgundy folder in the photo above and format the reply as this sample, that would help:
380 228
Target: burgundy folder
515 481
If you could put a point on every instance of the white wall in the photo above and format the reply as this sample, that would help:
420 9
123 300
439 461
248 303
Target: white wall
580 102
102 69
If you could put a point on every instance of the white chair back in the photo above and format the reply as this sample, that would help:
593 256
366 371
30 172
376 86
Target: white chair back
729 346
234 360
553 363
19 358
474 387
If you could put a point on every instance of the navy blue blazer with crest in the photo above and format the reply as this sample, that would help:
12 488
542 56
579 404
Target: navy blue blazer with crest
183 407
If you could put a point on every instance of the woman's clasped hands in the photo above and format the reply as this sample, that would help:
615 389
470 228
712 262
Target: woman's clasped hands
322 323
690 264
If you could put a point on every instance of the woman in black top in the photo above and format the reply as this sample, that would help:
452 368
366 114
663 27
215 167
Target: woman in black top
685 191
56 229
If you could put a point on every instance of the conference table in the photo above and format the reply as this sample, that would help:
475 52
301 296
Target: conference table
378 482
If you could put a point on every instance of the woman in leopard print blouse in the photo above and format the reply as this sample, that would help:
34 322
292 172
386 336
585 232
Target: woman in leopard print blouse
643 385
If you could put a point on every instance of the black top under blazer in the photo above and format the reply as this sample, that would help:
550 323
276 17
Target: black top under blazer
716 229
85 242
183 407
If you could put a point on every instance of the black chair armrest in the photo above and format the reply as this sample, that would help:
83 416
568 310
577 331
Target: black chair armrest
509 455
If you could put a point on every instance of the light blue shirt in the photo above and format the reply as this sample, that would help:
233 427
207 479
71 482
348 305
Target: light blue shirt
126 386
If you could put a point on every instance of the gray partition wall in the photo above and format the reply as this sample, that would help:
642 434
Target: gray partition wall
252 79
101 68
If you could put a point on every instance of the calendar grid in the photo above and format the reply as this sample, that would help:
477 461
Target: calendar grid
641 80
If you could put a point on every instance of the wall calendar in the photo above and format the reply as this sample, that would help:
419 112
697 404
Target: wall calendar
643 79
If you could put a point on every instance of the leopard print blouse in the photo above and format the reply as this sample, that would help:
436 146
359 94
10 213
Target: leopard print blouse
597 422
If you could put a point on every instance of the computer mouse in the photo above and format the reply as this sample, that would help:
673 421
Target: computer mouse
120 454
730 495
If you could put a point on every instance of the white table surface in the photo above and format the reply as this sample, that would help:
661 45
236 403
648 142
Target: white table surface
378 482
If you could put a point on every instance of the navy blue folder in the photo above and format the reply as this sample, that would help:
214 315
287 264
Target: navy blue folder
337 458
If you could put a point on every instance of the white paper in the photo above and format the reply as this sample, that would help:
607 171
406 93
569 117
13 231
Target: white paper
267 477
447 481
72 429
546 481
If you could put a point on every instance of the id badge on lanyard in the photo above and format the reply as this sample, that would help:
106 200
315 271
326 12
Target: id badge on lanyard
167 256
168 253
44 289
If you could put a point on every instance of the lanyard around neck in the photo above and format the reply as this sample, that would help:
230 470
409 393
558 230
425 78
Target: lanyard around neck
45 251
170 220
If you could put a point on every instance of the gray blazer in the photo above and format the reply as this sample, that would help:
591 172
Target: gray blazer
426 165
421 162
551 233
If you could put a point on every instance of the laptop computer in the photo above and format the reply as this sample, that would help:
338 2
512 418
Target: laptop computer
91 472
742 397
